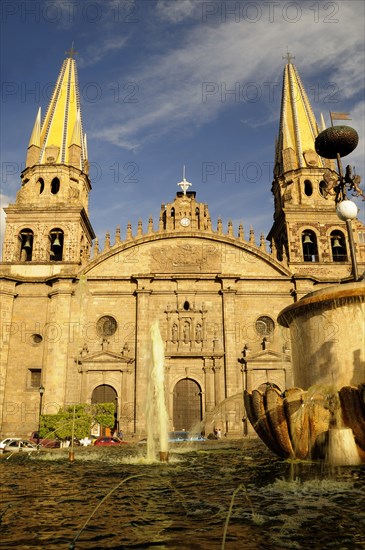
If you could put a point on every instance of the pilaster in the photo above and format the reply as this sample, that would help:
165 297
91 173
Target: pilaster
229 341
7 296
142 357
54 375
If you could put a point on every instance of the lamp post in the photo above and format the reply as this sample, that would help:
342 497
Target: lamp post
347 211
41 392
333 143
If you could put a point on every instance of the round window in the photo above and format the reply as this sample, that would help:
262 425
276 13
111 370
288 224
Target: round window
265 326
36 338
106 326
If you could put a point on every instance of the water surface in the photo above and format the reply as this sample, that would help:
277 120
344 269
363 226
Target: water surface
182 505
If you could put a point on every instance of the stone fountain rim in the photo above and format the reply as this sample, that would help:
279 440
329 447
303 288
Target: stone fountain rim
324 298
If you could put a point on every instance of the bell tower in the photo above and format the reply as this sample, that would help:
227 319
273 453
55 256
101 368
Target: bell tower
306 230
49 223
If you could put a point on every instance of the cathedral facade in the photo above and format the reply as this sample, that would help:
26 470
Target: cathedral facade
76 317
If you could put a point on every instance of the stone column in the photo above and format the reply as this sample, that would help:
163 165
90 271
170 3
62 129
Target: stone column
209 386
218 382
142 361
169 393
127 410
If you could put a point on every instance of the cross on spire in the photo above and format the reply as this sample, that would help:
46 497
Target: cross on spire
71 52
288 57
184 184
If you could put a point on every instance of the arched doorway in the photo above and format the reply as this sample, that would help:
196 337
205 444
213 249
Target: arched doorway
187 406
106 394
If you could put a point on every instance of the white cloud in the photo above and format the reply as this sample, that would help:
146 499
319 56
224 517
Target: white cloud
171 83
96 52
176 11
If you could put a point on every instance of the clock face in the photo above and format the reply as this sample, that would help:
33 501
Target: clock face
185 222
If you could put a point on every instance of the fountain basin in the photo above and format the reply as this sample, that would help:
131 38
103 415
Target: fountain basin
321 423
323 417
327 333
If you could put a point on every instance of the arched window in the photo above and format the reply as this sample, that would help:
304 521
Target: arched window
323 189
197 215
26 245
172 212
308 188
41 185
55 186
338 246
56 248
309 245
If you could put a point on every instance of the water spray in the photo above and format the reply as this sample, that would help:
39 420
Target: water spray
157 417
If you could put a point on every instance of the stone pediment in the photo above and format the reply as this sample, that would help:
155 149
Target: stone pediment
266 356
106 357
105 361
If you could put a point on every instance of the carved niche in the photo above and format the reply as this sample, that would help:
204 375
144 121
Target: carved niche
186 327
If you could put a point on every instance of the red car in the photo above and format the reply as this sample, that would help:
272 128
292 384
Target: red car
108 441
44 442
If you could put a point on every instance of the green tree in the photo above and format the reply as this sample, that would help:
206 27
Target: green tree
60 425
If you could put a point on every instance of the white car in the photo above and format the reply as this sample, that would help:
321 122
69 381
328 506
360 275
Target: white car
16 445
6 441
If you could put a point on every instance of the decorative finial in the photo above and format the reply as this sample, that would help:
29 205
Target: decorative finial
288 56
71 52
184 184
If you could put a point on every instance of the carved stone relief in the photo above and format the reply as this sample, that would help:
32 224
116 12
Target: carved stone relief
186 258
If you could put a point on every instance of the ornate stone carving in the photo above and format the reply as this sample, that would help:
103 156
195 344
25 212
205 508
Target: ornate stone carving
185 257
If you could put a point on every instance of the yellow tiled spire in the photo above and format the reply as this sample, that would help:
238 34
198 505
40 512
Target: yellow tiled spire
62 125
298 126
35 138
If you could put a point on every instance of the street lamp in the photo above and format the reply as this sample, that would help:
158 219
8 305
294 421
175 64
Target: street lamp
347 211
333 143
41 392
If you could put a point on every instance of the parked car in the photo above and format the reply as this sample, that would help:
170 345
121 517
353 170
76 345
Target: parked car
44 441
17 445
5 442
108 441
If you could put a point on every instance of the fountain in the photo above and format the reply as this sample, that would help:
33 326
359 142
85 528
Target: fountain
156 413
326 419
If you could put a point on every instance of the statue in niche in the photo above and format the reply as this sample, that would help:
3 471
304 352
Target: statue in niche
186 332
85 350
125 349
105 343
174 333
198 333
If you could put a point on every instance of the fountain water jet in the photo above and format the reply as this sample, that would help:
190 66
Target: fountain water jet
156 413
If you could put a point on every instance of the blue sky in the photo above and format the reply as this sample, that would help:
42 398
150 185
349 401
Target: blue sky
155 79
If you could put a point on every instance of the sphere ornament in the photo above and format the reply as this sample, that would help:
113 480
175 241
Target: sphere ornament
335 140
347 210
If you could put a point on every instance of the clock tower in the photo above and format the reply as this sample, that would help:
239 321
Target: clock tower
185 213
